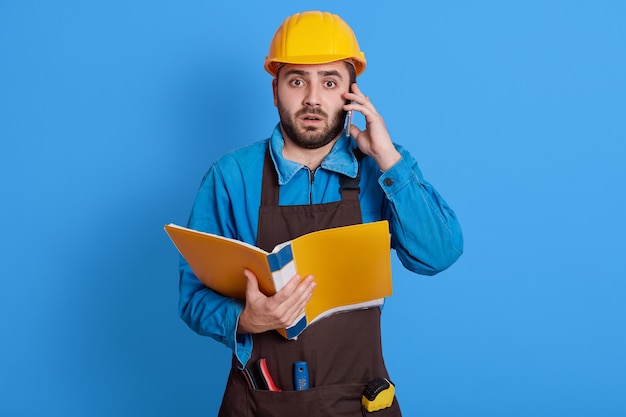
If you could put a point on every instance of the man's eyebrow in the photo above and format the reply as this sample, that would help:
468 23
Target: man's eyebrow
332 73
322 73
294 71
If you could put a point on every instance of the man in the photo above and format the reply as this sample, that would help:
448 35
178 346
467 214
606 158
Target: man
297 181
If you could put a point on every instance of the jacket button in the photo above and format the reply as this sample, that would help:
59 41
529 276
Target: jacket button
388 182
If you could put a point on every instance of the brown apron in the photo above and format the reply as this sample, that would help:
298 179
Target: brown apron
343 351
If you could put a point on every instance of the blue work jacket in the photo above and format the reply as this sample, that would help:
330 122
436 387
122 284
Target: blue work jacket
424 230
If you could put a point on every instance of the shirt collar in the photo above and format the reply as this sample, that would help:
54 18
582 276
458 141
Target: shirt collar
340 159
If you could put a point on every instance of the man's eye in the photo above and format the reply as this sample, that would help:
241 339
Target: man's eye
330 84
297 83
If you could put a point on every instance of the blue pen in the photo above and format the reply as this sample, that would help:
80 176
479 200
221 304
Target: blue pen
301 376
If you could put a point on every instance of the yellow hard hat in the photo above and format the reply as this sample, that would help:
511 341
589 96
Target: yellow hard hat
314 37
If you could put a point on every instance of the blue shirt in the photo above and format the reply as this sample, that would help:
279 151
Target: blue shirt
424 230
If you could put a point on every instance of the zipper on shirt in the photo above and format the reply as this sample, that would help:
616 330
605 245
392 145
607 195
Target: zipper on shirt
312 179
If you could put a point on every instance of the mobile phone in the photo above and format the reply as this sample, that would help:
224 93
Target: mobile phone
348 123
349 117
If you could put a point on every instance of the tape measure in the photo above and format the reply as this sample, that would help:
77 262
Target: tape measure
378 395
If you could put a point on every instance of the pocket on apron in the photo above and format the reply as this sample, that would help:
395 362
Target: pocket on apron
330 400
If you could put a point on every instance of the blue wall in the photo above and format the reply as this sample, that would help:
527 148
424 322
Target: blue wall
111 112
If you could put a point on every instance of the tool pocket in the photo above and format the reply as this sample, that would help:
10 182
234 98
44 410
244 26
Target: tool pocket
329 400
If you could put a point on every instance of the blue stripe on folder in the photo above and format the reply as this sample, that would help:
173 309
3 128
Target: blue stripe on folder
296 329
278 260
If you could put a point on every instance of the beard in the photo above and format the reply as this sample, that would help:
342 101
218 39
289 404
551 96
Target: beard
312 137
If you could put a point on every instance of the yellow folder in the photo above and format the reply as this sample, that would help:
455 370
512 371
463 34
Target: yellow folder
351 266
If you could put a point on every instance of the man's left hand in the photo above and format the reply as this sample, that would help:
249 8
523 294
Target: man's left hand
374 140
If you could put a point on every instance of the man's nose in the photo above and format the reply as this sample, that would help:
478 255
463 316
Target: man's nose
311 98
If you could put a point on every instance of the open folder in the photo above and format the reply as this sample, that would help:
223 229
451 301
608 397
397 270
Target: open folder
351 266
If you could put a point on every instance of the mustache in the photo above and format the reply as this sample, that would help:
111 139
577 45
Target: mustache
311 110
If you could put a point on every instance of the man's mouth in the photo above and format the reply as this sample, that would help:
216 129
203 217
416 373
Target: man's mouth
311 117
311 120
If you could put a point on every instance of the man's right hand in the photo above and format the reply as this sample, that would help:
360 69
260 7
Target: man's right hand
263 313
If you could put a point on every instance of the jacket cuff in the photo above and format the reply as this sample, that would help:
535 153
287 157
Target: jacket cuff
242 346
396 177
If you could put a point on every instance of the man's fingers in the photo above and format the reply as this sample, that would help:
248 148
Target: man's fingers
251 278
294 285
252 284
280 310
301 301
294 296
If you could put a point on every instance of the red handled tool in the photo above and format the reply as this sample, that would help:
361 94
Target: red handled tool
266 378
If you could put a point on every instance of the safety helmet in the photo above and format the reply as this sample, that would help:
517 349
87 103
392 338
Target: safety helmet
314 37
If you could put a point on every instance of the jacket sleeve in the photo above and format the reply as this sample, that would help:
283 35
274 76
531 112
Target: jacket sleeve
205 311
425 231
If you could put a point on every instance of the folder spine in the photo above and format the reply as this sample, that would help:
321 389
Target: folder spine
280 259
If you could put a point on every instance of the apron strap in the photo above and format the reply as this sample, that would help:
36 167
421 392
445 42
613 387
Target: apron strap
269 182
350 186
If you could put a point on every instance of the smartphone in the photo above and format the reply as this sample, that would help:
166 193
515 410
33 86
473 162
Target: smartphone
348 123
348 117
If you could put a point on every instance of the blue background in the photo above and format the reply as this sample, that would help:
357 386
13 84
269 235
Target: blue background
111 112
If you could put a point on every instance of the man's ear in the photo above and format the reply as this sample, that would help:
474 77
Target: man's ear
275 91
